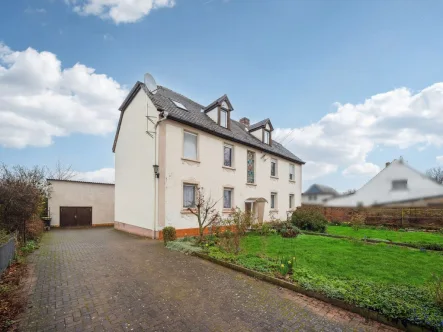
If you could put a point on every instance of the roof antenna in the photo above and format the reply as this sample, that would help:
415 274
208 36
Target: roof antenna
150 83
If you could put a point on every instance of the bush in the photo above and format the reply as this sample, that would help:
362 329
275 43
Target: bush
34 228
309 220
358 221
186 247
289 230
169 234
265 229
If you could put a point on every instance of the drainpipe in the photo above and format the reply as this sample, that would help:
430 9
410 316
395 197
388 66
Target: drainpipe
164 116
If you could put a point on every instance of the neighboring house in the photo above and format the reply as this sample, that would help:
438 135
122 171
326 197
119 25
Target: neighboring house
80 203
166 146
318 194
397 184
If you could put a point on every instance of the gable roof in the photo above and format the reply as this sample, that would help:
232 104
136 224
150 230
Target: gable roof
219 101
261 124
316 189
378 190
195 117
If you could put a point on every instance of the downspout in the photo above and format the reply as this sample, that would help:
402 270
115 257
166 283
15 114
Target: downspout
164 115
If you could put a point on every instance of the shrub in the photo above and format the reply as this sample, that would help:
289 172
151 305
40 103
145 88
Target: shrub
358 220
265 229
169 234
289 230
186 247
309 220
34 228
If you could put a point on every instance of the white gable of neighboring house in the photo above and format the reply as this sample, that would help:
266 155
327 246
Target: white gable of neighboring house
396 183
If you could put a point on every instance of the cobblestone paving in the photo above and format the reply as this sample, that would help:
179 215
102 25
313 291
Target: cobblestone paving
105 280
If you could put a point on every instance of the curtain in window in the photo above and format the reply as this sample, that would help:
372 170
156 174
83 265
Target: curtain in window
251 167
190 146
188 196
227 195
227 156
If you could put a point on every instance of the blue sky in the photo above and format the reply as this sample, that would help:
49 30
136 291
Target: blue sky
296 62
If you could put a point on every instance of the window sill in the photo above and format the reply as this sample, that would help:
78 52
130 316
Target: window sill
292 181
274 177
228 211
251 184
228 167
273 211
191 160
186 211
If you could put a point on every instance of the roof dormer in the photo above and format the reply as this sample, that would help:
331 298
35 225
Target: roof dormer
263 131
220 111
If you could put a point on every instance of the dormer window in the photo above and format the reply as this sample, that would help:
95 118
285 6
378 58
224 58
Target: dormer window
262 130
219 111
223 118
266 136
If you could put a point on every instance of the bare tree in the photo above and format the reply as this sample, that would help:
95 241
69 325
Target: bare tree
436 174
204 210
62 172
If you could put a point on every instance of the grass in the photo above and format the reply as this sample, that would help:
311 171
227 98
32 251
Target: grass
393 280
414 237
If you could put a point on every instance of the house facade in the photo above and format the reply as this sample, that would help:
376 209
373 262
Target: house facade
167 146
397 185
318 194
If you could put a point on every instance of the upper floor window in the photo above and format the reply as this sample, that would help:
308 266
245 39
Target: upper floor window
190 145
273 167
189 192
227 155
223 118
291 172
266 136
251 167
399 184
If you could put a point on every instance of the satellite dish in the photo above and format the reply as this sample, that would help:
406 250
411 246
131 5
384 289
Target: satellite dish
150 83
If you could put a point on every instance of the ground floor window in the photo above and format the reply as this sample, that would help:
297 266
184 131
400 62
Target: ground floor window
291 201
189 191
227 198
273 200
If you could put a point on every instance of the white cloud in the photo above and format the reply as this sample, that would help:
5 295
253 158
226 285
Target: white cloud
398 118
440 159
30 10
313 170
106 175
366 169
120 11
40 100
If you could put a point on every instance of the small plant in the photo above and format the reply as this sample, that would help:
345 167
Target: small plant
309 220
29 247
169 234
265 229
286 265
289 231
357 221
437 289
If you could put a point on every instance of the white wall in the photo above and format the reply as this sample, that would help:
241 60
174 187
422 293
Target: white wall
210 174
379 189
98 196
134 158
213 114
258 134
317 199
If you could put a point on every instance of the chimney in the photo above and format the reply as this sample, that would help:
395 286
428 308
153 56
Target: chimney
245 122
387 164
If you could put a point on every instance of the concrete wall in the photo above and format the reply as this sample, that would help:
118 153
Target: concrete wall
209 173
134 158
78 194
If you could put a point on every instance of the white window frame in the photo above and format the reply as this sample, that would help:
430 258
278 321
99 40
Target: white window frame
274 161
224 116
231 203
292 172
183 194
232 155
275 201
185 132
266 137
291 201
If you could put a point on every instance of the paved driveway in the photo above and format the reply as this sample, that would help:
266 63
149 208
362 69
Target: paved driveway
104 280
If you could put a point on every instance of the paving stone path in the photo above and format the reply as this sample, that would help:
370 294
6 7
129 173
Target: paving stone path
105 280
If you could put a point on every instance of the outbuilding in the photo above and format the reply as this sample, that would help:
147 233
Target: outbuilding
81 203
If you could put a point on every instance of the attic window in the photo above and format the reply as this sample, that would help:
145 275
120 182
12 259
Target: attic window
223 118
266 137
179 105
399 184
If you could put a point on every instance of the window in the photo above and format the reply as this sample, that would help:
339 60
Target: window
251 167
273 167
312 197
227 198
291 172
227 155
266 136
399 184
223 118
179 105
291 201
190 146
273 200
189 191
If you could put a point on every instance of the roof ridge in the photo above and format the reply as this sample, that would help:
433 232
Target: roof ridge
183 96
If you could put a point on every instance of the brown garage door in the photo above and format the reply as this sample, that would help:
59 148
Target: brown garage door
75 216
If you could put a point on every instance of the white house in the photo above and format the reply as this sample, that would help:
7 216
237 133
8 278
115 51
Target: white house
318 194
166 146
396 185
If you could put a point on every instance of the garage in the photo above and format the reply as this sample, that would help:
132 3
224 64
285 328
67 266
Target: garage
75 216
80 203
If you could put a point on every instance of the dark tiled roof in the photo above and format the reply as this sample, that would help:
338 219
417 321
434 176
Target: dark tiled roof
259 124
195 117
80 181
219 101
320 189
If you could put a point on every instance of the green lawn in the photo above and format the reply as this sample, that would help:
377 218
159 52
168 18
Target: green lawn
394 236
393 280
